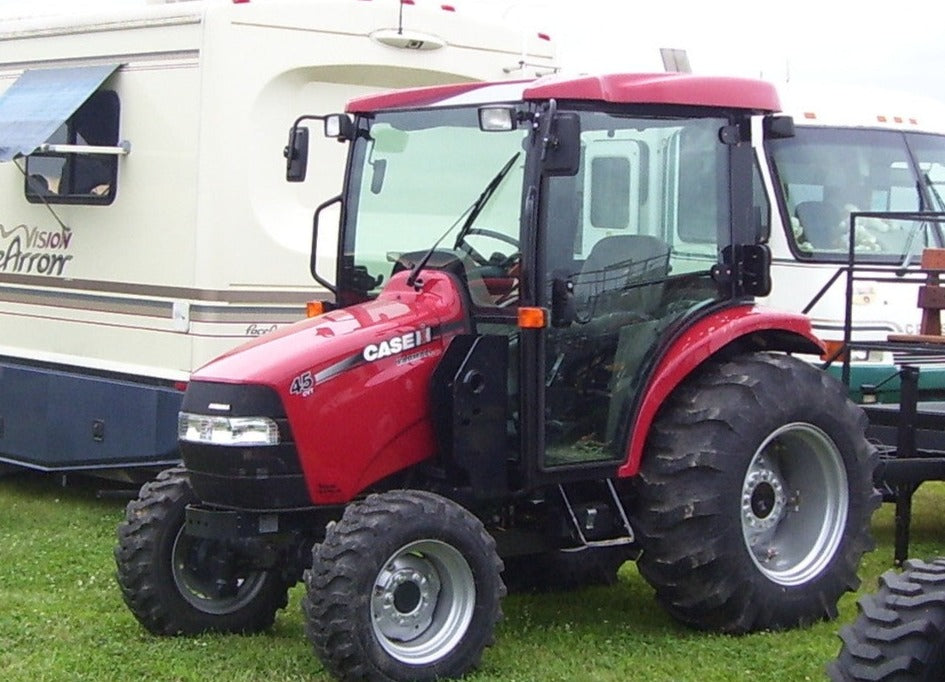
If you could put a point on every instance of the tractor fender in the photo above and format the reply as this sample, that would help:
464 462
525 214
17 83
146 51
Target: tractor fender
753 327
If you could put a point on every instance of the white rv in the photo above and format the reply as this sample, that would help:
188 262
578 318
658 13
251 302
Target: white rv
145 226
855 150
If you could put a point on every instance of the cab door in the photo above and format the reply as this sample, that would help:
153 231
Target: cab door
612 283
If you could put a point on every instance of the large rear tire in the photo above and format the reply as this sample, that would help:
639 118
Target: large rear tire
406 586
178 584
899 635
755 495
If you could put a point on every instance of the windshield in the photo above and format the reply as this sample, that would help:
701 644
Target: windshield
824 174
421 177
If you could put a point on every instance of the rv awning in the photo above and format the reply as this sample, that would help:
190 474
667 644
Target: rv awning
40 101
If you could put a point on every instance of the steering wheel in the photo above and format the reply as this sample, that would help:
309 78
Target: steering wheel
462 245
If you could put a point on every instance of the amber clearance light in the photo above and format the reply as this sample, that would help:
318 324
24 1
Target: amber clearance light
532 318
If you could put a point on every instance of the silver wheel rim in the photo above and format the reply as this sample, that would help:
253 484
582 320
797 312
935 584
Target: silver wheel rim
199 581
794 504
422 602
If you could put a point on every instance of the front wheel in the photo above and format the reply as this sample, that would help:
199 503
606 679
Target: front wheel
406 586
754 499
175 583
900 632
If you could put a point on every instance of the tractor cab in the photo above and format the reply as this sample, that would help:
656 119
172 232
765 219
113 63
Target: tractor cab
584 228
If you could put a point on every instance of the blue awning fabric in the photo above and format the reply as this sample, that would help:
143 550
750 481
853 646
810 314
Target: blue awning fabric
40 101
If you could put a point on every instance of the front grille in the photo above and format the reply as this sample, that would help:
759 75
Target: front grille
260 478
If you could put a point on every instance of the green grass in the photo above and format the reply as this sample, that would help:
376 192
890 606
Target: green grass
61 616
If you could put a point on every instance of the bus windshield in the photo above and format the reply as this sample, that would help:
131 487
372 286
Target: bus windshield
824 174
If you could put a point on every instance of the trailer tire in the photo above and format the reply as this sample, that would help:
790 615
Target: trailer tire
562 571
900 632
398 563
754 498
166 591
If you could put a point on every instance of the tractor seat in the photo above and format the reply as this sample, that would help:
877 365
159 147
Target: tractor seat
632 262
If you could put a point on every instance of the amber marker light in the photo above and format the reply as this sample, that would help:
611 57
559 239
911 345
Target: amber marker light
531 318
833 351
314 308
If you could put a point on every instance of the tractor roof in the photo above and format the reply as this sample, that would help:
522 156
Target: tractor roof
625 88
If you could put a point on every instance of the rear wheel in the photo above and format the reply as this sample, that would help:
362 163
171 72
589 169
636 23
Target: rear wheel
175 583
406 586
900 632
755 495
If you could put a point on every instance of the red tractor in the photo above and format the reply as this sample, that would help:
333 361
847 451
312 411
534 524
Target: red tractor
542 358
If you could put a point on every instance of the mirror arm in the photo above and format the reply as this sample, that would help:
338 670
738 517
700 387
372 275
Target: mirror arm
312 265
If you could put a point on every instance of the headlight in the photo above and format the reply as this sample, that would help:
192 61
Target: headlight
227 431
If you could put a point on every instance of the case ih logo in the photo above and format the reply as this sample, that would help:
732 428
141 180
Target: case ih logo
398 344
30 250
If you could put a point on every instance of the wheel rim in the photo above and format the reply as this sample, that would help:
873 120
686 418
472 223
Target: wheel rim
207 578
422 602
794 504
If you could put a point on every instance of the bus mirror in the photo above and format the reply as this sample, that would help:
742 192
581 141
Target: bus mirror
296 154
778 127
563 153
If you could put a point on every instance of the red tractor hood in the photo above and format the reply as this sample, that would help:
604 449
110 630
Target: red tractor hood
400 320
355 382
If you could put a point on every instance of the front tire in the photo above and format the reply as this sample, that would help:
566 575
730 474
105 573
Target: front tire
900 632
178 584
755 495
406 586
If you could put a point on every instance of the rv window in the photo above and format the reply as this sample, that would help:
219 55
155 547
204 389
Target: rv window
610 190
75 178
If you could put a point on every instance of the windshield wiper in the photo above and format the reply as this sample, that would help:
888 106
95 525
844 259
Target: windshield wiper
911 239
470 214
910 244
934 192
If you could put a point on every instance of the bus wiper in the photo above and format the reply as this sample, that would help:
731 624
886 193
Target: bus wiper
910 244
924 225
934 192
470 214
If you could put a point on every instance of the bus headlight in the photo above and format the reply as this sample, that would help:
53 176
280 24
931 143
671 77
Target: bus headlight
227 431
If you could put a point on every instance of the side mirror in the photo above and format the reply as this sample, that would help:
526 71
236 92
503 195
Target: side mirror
296 154
563 312
563 153
778 127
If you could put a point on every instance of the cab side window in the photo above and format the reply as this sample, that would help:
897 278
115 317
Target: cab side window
77 177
